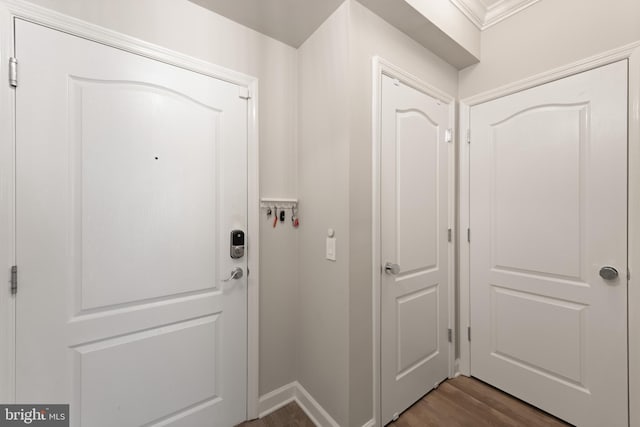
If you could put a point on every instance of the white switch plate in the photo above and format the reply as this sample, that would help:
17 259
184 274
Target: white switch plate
331 248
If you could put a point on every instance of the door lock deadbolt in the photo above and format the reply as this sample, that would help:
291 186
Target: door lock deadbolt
237 244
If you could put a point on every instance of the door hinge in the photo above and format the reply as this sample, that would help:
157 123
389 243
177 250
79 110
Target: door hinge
449 232
628 274
469 235
14 279
469 333
244 93
450 335
468 136
13 72
448 135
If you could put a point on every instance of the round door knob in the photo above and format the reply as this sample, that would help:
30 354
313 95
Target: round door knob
391 268
609 273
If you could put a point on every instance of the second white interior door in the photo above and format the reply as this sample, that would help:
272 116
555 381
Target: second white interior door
549 231
414 227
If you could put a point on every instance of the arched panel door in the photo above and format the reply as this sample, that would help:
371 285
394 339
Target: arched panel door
414 245
549 246
131 175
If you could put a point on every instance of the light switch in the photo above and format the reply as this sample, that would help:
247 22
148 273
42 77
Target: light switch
331 248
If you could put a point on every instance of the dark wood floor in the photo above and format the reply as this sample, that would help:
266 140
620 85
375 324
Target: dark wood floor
467 402
460 402
289 415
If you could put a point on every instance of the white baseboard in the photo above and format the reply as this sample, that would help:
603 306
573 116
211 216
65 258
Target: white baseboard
318 415
370 423
276 399
294 391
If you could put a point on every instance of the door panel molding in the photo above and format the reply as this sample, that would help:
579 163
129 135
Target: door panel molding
381 67
9 11
632 53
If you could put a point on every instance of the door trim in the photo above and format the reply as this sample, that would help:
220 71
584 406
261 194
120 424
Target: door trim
631 52
381 67
11 9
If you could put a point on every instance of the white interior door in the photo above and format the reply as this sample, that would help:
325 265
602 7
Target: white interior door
548 212
414 223
131 174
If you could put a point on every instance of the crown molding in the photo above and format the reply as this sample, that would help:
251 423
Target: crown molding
484 17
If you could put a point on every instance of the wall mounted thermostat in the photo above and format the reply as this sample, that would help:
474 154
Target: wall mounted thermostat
237 244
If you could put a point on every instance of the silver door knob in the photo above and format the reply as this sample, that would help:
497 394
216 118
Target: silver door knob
236 274
391 268
609 273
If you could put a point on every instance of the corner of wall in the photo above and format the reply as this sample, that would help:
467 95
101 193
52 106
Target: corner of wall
323 175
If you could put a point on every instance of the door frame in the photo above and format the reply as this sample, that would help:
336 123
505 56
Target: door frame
11 9
630 52
381 67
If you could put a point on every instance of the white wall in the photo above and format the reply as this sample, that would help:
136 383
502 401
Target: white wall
370 36
335 327
323 146
437 25
315 143
547 35
447 17
193 30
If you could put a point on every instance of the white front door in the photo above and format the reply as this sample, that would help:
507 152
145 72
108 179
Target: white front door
548 218
414 227
131 174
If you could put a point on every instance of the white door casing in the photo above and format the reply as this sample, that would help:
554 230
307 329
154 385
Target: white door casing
130 175
548 203
414 222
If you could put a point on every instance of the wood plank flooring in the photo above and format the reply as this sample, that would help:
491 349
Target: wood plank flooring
289 415
467 402
459 402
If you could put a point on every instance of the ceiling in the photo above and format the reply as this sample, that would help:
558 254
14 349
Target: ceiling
290 21
293 21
